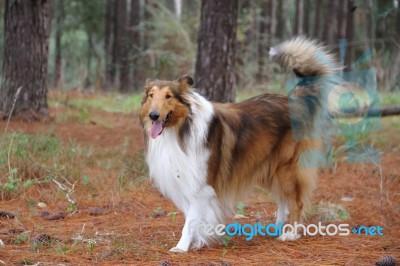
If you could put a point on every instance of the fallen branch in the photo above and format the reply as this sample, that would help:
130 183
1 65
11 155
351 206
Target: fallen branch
68 191
369 112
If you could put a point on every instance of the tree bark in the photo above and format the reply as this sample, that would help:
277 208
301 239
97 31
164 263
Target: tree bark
262 40
349 33
108 45
280 20
57 83
329 22
215 64
298 29
306 17
122 45
318 13
135 47
26 34
341 19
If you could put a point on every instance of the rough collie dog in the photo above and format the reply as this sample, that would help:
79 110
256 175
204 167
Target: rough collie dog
206 156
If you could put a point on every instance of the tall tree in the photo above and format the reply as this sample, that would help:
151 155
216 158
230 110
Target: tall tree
280 20
57 83
178 8
108 44
134 23
351 8
264 29
26 34
215 63
329 20
318 20
306 18
341 19
298 28
121 44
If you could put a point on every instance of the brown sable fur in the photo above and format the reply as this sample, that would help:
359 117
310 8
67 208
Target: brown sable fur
251 144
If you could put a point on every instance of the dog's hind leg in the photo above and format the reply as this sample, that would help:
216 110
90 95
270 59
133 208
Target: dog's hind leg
295 187
282 212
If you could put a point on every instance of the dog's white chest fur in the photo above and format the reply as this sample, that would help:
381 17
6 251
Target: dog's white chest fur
179 174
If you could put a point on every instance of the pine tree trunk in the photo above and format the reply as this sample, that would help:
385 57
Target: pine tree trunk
57 83
306 17
108 45
262 40
280 23
341 19
318 22
299 17
329 22
26 35
272 24
124 42
135 48
215 64
349 33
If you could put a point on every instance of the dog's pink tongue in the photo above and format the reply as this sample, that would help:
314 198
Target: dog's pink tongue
156 129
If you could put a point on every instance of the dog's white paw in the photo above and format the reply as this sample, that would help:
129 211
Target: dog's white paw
177 250
288 236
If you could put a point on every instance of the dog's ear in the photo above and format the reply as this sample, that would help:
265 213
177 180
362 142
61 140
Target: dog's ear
185 82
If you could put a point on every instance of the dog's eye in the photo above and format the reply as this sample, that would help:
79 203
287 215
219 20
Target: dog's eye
167 96
151 95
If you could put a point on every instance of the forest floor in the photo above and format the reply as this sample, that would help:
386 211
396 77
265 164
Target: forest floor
95 144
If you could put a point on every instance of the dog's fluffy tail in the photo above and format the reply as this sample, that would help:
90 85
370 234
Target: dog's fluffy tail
318 74
305 57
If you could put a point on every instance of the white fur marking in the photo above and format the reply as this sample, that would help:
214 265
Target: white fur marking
182 175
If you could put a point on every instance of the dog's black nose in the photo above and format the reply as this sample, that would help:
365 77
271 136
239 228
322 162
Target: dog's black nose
154 115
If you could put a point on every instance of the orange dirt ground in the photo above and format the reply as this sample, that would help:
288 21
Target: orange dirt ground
126 229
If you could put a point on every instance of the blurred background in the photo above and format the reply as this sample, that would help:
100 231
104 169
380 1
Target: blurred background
90 40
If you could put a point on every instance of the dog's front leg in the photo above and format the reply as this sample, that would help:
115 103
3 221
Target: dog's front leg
187 233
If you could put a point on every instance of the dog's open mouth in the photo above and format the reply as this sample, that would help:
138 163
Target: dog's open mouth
159 125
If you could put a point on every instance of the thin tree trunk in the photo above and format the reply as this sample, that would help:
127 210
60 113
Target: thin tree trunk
298 28
26 34
272 23
280 27
341 19
329 22
135 47
318 13
123 46
57 83
398 19
371 24
88 61
349 33
306 17
215 64
116 44
108 45
262 40
178 8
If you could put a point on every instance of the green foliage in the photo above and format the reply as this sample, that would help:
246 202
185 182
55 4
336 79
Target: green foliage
29 159
20 239
240 208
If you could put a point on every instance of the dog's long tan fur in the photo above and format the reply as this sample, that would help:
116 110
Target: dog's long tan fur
252 142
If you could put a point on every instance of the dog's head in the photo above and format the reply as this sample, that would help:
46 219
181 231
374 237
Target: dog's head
165 104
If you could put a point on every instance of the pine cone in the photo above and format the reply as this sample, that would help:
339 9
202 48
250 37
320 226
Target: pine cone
41 239
7 215
386 261
165 263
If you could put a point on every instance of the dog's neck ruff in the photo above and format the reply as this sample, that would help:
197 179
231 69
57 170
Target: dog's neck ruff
180 174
